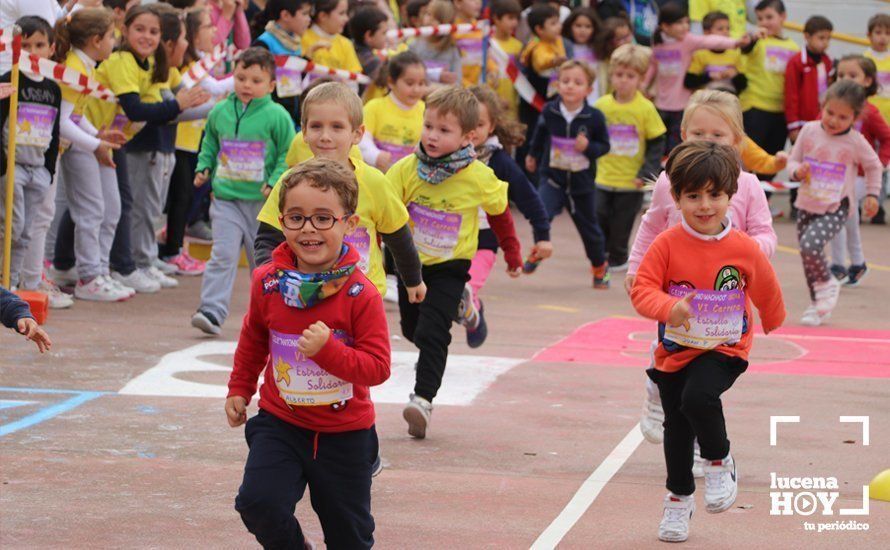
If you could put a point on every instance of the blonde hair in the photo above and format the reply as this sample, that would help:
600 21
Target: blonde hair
724 104
442 11
632 56
575 64
456 101
334 92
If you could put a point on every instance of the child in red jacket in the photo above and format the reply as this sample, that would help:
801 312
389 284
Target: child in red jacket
317 326
806 76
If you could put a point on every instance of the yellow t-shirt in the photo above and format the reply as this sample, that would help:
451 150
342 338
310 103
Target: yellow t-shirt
299 151
735 9
379 211
881 100
394 129
470 46
711 62
765 69
188 133
82 102
445 217
630 125
341 54
504 88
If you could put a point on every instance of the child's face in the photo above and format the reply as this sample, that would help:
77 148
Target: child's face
205 33
468 8
622 36
333 22
38 44
677 30
427 19
625 81
442 134
573 86
707 125
329 133
837 116
704 209
550 30
818 41
771 20
420 20
103 45
252 82
720 27
316 249
410 87
851 70
582 30
143 34
298 22
879 37
506 23
377 38
176 49
485 127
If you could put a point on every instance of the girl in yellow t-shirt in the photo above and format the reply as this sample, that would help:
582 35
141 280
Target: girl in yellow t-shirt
324 42
393 122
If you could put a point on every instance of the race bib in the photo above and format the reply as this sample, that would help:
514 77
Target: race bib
123 124
718 318
242 160
670 63
470 50
288 82
435 232
564 157
776 59
35 124
624 140
361 242
584 54
826 182
714 70
300 381
397 152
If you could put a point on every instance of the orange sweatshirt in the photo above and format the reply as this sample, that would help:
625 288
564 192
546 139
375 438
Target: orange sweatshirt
728 271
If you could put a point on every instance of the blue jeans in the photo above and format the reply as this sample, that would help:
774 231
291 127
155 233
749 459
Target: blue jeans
582 208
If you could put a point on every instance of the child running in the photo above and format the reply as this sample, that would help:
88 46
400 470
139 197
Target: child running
316 325
825 159
699 280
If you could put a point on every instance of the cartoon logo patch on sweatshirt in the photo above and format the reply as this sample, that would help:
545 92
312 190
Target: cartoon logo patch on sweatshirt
270 282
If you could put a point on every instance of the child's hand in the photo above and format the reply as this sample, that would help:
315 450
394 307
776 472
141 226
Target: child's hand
744 41
191 97
112 136
103 153
448 77
639 183
781 160
760 33
236 410
416 294
320 45
6 90
728 74
682 311
557 61
629 283
870 206
314 338
515 272
531 164
29 328
267 191
581 143
201 178
542 249
802 173
384 160
792 135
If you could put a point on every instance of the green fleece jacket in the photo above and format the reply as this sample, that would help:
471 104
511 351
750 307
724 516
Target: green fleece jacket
245 147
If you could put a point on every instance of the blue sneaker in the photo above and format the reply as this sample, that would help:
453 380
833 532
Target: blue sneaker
855 274
839 272
476 337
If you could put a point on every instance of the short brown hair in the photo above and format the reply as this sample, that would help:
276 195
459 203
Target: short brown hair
258 56
456 101
322 174
697 165
880 20
334 92
575 64
633 56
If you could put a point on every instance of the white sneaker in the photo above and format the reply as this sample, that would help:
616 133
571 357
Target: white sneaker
128 289
138 281
392 289
721 484
164 267
417 413
678 511
156 274
620 268
57 299
698 463
811 317
99 290
62 277
652 421
827 294
467 312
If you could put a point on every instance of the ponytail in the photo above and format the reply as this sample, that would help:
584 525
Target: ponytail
192 25
75 30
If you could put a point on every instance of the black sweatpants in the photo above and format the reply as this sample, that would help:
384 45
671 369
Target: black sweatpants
428 324
283 459
693 410
768 130
616 212
582 208
179 202
672 120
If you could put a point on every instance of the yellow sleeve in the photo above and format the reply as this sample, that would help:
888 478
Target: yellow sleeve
125 74
397 177
389 211
174 78
298 151
654 124
698 63
542 59
755 159
270 212
493 191
370 115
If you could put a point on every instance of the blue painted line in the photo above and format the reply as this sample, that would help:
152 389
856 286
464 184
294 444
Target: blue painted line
49 412
46 390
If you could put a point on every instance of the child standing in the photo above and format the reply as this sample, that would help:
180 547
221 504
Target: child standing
825 160
546 51
580 32
367 27
37 147
615 32
324 42
443 187
636 138
575 135
439 53
806 77
716 69
692 366
470 43
879 52
314 320
393 122
505 19
243 152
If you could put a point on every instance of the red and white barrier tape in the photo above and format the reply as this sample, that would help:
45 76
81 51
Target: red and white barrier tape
33 65
437 30
779 186
507 67
202 68
295 63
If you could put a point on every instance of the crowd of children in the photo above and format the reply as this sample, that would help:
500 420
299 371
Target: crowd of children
408 195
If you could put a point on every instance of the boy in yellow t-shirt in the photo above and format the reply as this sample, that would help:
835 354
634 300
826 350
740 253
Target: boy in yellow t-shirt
469 44
505 18
443 187
735 10
716 69
545 52
636 139
332 126
879 52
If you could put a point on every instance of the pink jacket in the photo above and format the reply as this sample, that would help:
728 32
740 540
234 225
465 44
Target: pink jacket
241 36
670 61
834 162
748 209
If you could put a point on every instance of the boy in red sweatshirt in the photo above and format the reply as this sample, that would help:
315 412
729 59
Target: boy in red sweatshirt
316 325
698 280
806 76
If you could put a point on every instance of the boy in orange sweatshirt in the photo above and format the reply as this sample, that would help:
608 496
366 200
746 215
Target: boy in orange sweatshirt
698 280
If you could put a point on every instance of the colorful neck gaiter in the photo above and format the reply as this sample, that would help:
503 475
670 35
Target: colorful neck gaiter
288 40
304 290
436 170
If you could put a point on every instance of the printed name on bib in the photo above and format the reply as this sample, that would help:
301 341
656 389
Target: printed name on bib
35 124
624 140
670 62
564 157
826 182
776 59
288 82
435 232
300 381
718 318
242 160
360 240
397 152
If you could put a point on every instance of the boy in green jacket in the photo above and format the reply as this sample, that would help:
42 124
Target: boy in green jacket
245 143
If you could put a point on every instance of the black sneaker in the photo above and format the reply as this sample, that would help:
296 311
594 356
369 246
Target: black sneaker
856 273
839 272
206 322
477 336
879 218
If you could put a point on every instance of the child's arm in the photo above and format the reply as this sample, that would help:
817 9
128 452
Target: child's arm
795 160
878 128
52 152
505 231
793 77
241 30
710 42
267 239
208 153
766 293
694 81
755 159
872 167
401 244
391 221
647 295
253 344
282 134
598 140
654 221
536 145
652 158
15 314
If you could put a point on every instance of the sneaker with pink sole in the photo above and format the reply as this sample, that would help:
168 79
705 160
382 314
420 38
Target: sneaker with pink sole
187 266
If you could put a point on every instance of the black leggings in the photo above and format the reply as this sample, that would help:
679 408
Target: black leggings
179 202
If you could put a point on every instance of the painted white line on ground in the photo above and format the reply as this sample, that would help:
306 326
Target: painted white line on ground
588 491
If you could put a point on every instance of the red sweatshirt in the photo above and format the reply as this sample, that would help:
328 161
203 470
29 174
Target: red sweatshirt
356 356
875 131
729 271
805 82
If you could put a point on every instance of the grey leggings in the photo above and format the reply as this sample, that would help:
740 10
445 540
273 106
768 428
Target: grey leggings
814 231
